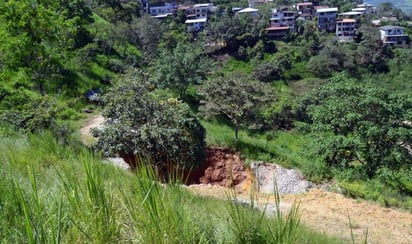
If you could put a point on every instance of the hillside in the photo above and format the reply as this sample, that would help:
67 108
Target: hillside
310 87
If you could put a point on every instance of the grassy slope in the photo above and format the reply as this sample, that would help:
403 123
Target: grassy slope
284 147
54 193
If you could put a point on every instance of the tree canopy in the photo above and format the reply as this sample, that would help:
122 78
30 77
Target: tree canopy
32 36
178 68
235 96
142 123
360 123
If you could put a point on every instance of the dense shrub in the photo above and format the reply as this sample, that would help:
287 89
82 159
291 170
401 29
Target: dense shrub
141 123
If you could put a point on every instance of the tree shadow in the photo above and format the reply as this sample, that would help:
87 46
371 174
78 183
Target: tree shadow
253 150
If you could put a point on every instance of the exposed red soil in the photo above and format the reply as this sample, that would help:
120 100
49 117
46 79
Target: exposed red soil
223 167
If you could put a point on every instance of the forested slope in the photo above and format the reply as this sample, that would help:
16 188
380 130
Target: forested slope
334 110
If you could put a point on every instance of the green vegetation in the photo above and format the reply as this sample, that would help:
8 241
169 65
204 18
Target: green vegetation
181 66
52 192
284 148
236 97
359 124
354 128
142 123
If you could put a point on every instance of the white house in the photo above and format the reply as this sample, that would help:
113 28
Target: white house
393 35
250 11
195 25
345 30
350 15
363 11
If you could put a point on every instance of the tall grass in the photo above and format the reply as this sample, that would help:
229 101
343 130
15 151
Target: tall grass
253 226
162 213
51 193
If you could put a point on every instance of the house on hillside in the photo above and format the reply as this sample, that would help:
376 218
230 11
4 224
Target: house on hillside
250 11
161 8
393 35
282 21
326 19
369 8
196 25
356 16
346 30
363 11
306 10
196 15
350 15
283 17
202 10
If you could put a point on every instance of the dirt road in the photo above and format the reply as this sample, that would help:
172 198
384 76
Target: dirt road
329 212
92 121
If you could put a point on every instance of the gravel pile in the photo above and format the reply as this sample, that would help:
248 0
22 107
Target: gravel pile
289 181
268 207
118 162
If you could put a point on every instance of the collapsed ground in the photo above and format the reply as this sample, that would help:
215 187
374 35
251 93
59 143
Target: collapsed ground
320 209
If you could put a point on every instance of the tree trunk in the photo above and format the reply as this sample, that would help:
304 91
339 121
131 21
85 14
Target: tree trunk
236 133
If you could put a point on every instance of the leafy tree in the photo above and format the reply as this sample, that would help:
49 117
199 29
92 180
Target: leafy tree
30 35
223 31
370 53
237 32
77 17
141 123
181 67
148 33
235 96
268 72
329 60
360 123
119 11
